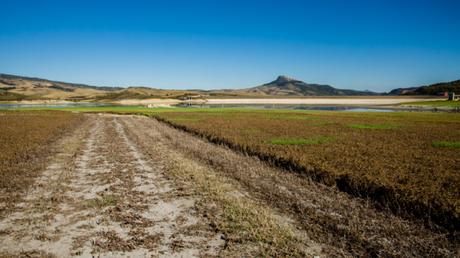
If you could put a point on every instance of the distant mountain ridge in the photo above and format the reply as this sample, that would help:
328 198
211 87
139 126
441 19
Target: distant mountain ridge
13 88
287 86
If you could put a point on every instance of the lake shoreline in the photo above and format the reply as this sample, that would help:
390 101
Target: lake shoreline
398 103
313 100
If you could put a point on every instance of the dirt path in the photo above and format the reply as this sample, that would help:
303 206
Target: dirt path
132 186
101 196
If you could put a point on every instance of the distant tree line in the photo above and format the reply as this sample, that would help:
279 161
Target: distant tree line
439 88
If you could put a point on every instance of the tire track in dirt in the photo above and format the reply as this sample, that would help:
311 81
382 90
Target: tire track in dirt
152 138
101 197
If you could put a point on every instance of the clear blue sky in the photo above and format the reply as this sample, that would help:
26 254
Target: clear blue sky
376 45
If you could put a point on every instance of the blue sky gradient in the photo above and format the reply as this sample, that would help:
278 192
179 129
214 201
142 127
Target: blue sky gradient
375 45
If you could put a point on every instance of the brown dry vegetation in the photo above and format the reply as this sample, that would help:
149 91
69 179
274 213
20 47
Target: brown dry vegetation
25 140
341 225
387 157
100 195
250 228
117 178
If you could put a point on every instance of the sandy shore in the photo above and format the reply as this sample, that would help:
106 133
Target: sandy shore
147 101
320 101
366 101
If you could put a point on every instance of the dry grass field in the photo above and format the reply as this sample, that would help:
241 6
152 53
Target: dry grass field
130 185
25 140
406 161
114 188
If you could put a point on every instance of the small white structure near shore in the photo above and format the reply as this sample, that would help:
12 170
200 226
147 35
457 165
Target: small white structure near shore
453 97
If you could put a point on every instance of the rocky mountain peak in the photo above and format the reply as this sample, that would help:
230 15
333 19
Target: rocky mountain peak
284 79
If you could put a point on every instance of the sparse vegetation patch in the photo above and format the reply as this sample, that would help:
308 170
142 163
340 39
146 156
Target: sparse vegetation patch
185 119
105 201
300 141
375 126
446 144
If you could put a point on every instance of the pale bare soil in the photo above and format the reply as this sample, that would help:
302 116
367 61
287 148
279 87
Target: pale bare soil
101 196
132 186
371 101
146 101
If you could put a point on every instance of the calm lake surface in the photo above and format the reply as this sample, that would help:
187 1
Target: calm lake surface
61 105
294 107
253 106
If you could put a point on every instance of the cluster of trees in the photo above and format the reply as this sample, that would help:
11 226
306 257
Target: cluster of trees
439 88
433 89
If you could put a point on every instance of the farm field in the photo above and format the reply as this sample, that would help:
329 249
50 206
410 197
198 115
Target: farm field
309 129
25 138
406 161
128 184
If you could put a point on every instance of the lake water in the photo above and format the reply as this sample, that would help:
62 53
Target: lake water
253 106
294 107
61 105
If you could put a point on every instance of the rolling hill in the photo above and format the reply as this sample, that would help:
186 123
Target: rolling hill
148 93
13 87
433 89
286 86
